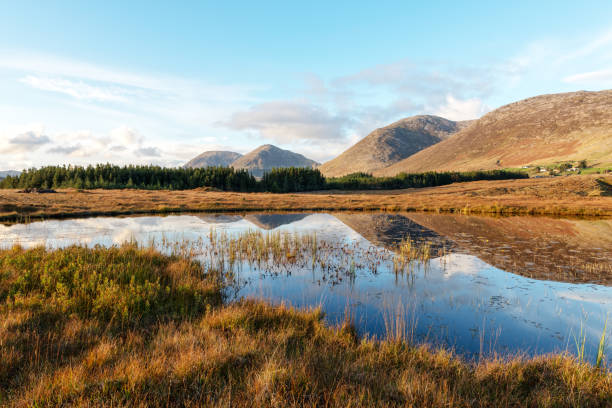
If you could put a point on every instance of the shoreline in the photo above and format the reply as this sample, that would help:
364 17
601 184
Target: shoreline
570 213
566 196
180 336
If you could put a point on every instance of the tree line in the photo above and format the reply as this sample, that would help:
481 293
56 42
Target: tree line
280 180
365 181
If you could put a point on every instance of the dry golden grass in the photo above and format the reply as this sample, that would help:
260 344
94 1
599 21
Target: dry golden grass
574 195
56 350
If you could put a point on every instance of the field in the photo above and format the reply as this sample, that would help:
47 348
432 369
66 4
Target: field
127 326
571 195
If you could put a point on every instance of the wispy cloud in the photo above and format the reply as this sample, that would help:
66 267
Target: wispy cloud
69 68
76 89
67 150
604 75
53 66
589 46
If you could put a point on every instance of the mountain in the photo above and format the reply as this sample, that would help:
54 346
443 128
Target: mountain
390 144
213 158
267 157
5 173
540 130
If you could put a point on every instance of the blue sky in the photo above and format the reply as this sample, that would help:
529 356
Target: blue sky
160 82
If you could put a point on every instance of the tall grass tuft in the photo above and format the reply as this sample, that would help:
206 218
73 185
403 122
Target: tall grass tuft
601 350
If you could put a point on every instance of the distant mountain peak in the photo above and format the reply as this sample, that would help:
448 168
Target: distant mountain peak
12 173
213 158
267 157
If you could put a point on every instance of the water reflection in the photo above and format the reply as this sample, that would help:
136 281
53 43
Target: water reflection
272 221
520 284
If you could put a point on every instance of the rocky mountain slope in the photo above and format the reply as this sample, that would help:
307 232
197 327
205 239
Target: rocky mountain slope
541 130
390 144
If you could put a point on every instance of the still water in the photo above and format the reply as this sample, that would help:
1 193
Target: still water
495 285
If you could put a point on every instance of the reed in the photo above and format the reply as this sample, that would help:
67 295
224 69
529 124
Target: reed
134 326
410 253
601 350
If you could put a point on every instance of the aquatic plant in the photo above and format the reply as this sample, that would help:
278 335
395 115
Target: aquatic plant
408 252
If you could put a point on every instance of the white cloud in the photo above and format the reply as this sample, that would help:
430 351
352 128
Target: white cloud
148 152
25 142
457 109
29 139
286 121
122 145
67 150
76 89
125 135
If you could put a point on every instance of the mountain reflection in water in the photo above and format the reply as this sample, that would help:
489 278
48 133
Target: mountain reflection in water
515 284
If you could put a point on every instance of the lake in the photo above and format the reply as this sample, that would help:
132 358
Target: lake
529 285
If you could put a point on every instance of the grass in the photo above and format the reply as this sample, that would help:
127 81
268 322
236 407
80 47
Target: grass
601 350
596 170
579 195
408 252
129 326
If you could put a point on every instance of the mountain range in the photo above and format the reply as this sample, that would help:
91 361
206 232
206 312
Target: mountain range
545 129
541 130
257 162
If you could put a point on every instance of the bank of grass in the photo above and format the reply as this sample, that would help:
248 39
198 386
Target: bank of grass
129 326
557 196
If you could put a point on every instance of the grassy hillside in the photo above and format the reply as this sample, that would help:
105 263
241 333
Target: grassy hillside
540 130
392 143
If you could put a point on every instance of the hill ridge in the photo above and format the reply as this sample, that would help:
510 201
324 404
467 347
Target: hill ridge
542 129
392 143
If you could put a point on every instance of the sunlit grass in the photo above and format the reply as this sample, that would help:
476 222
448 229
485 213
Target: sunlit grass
130 326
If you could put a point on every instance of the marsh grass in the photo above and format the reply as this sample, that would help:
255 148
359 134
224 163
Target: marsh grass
130 326
601 349
276 252
409 254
